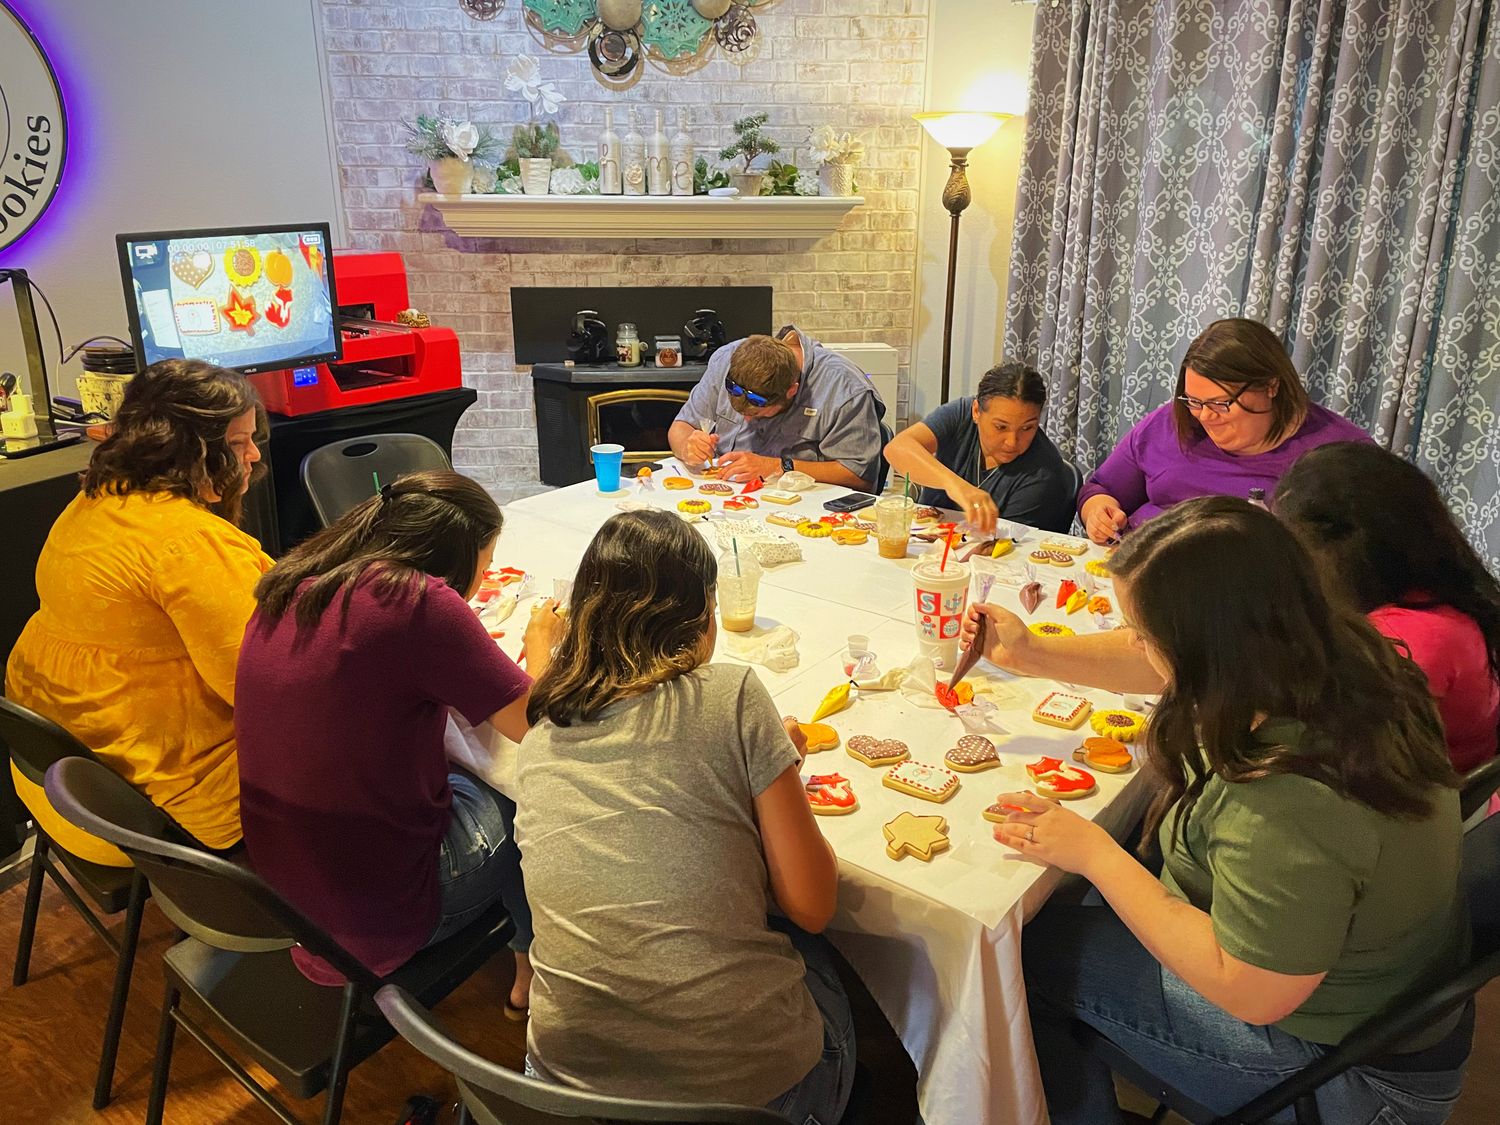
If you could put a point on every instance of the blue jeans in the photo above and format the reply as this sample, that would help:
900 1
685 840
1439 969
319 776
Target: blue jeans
479 862
1083 964
823 1094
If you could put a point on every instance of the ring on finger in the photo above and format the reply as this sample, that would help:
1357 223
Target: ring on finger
1031 833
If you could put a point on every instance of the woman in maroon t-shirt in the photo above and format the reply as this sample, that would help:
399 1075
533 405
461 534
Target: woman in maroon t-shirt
362 643
1383 538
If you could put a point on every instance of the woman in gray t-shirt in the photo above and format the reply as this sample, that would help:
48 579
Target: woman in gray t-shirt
661 817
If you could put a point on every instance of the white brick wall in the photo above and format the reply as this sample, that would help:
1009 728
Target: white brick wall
855 64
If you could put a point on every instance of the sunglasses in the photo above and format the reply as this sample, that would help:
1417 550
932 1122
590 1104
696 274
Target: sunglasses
754 398
1219 406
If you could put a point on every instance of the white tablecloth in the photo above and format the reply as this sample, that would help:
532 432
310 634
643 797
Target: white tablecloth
938 944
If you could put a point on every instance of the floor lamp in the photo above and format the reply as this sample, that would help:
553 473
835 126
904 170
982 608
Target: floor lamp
958 133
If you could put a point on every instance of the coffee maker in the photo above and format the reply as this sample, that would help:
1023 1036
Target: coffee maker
588 342
702 335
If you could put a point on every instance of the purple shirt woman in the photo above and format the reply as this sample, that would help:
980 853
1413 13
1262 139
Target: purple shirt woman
1239 419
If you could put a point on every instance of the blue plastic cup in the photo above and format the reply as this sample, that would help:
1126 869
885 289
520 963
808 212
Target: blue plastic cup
607 459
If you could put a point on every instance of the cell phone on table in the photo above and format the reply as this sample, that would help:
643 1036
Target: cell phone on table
850 503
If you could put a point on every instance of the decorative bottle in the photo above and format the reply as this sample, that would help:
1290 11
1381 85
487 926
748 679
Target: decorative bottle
633 160
682 157
609 157
658 160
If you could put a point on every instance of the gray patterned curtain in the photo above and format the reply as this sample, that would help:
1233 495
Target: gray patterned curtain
1330 167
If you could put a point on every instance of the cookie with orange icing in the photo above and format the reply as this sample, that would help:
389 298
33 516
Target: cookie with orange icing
676 483
1104 754
820 736
1055 778
830 794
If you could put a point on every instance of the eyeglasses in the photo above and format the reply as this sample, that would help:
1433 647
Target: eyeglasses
754 398
1219 406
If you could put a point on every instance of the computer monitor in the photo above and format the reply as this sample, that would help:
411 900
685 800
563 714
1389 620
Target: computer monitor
250 298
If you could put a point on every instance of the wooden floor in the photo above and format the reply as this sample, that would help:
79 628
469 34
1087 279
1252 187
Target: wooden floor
50 1028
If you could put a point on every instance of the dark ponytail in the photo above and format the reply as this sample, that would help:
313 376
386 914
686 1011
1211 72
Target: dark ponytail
430 523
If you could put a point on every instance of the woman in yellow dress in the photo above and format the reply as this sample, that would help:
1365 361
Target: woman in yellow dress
146 583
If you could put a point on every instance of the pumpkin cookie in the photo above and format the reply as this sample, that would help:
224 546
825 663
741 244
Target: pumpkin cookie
1104 754
676 483
850 537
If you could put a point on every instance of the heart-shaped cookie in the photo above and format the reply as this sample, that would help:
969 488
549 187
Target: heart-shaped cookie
973 754
192 269
874 751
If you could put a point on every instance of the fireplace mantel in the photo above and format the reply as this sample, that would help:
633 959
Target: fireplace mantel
641 216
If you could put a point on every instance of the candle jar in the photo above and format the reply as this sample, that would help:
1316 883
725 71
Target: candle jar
669 351
627 346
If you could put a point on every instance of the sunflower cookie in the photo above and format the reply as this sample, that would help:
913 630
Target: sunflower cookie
830 794
1049 629
1062 709
918 779
973 754
694 507
1105 754
814 530
876 751
1054 778
1123 726
1099 568
913 835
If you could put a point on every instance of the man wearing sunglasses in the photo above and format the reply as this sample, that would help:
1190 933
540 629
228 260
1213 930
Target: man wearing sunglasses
768 405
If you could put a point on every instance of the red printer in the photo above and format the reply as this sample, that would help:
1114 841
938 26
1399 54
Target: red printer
383 359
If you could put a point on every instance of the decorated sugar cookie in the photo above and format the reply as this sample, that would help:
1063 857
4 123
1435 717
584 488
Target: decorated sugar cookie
1066 544
924 515
850 537
919 779
694 507
913 835
1050 629
1054 778
741 503
830 794
973 754
814 530
874 751
1062 709
716 488
820 736
780 496
677 483
786 519
1124 726
997 812
1099 568
1104 754
863 525
1048 557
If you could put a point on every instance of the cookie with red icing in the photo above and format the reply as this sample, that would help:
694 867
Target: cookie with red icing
997 812
973 754
919 779
830 794
716 488
1055 778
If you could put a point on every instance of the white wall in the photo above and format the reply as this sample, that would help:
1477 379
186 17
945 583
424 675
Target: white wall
183 114
979 54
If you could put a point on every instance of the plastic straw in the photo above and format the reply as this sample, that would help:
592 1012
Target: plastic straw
947 545
735 543
906 491
376 478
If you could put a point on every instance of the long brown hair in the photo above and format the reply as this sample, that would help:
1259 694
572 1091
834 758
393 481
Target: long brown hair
171 435
642 602
1232 602
429 523
1237 354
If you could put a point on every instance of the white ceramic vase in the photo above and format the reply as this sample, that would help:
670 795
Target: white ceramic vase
748 183
536 175
836 179
451 176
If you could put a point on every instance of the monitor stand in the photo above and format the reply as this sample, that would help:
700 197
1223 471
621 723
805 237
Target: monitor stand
47 435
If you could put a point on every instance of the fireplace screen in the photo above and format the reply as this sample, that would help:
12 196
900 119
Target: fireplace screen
638 419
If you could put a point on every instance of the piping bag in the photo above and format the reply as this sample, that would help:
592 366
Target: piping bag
947 694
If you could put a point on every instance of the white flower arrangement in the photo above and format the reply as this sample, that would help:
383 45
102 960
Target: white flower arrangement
524 76
831 147
437 138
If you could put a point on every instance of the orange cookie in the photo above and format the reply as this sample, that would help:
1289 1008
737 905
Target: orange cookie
1062 709
919 836
820 736
676 483
1104 754
1054 778
876 751
850 537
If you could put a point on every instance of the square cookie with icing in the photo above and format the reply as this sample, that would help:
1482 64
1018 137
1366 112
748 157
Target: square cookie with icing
1062 709
919 779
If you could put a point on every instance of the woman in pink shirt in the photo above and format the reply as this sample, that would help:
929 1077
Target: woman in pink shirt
1383 536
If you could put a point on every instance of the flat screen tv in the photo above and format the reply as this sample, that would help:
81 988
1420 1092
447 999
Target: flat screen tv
250 298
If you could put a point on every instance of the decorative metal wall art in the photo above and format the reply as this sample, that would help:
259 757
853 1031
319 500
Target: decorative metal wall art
677 36
482 9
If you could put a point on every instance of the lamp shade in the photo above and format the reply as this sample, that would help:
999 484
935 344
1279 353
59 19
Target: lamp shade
962 130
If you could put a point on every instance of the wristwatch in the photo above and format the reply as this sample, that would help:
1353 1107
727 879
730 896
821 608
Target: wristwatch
787 465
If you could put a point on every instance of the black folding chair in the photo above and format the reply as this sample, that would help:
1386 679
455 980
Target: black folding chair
1479 785
34 743
1420 1008
236 962
339 475
495 1095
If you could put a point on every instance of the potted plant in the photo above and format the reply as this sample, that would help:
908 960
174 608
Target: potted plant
837 155
535 145
452 150
749 142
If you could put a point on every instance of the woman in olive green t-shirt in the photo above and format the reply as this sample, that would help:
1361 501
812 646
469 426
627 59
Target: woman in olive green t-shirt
1309 826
